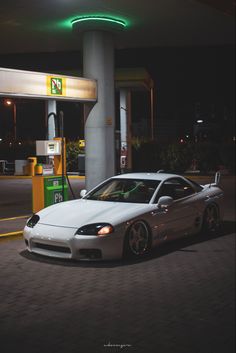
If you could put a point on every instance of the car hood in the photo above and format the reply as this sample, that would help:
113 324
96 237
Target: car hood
81 212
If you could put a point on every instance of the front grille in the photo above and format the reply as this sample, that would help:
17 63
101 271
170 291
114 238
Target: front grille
61 249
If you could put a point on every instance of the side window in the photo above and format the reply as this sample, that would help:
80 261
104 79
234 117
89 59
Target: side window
176 188
195 185
182 189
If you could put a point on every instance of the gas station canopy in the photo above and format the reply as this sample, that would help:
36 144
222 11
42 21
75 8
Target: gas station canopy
48 24
29 84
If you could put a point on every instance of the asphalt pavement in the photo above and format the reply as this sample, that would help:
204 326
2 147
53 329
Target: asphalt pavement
16 201
179 299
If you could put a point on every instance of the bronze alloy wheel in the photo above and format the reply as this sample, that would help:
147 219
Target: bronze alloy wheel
211 219
138 239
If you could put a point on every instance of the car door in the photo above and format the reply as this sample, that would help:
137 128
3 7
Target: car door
180 217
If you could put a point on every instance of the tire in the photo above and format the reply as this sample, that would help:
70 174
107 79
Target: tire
137 240
211 220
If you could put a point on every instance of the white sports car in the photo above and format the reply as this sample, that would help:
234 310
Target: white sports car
126 215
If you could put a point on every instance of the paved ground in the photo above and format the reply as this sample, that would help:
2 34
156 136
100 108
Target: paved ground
16 195
16 201
181 299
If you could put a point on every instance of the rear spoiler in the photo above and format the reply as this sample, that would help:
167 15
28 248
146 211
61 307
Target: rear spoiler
216 181
217 178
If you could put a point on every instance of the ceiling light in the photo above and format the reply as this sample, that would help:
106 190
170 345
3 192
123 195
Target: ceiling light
98 18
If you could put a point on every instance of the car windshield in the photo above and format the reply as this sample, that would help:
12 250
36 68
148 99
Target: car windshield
125 190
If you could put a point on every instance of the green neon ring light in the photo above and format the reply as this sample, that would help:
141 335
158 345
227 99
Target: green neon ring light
99 18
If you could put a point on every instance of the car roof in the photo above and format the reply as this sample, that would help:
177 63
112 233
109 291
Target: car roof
148 176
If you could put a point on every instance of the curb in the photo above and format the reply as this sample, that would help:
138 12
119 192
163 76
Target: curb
17 233
14 218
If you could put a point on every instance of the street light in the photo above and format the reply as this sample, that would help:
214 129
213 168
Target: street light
9 102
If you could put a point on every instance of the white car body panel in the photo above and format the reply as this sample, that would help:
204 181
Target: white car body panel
93 211
55 233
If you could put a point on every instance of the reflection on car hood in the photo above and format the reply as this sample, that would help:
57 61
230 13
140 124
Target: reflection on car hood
80 212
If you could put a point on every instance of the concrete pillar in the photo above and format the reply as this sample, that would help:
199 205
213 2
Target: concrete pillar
125 133
51 107
98 63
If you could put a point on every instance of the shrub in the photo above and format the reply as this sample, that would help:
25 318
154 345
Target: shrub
72 152
177 157
207 156
146 157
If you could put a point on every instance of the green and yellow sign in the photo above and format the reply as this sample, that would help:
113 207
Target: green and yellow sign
56 86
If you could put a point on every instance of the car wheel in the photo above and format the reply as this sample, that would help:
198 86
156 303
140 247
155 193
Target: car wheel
211 220
138 240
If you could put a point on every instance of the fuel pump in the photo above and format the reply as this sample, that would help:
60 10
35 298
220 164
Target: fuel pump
51 189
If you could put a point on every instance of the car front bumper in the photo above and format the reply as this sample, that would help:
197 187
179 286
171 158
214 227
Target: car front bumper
61 242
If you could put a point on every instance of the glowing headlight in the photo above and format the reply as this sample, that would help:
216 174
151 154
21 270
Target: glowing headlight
33 221
99 229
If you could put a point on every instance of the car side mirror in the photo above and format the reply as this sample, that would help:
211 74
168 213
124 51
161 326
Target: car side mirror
165 201
83 193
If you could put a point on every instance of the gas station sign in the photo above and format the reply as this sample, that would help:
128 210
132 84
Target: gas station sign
30 84
57 85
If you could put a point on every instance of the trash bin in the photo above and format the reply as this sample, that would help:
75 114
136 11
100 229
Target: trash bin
32 161
38 169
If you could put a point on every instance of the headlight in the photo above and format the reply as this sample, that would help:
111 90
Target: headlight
33 221
99 229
